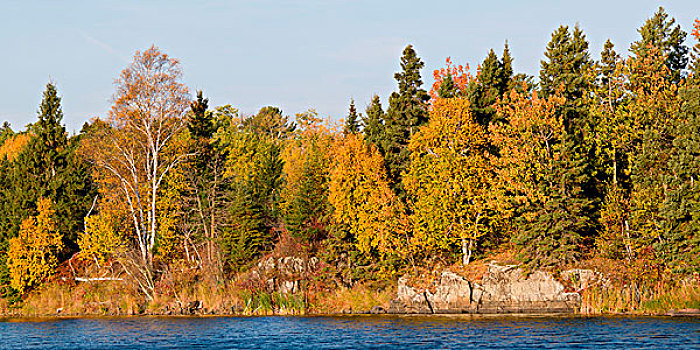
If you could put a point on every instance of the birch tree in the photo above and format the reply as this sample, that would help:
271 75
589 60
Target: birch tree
138 146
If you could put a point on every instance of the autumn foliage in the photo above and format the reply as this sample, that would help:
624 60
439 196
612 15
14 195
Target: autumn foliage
595 160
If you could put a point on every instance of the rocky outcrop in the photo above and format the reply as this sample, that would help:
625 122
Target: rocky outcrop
505 289
502 289
285 274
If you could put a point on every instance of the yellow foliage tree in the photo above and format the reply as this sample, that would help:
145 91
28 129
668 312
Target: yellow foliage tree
447 181
32 256
362 200
14 145
102 238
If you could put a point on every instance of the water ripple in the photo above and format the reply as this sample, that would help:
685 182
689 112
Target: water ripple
405 333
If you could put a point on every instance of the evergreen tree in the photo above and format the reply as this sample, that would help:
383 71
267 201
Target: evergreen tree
373 123
352 125
551 227
566 67
506 76
447 88
407 112
495 78
680 211
47 167
308 212
248 235
201 123
659 32
5 132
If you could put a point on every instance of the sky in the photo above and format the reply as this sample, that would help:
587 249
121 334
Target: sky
292 54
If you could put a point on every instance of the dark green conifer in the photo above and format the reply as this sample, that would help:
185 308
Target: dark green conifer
447 88
550 234
352 125
201 122
373 123
659 32
407 111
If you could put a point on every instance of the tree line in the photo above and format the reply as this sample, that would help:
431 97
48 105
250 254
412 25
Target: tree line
595 158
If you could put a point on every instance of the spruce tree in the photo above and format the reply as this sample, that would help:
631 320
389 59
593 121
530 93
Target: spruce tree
494 80
681 209
551 227
373 123
659 32
565 71
407 111
447 88
48 167
352 125
201 123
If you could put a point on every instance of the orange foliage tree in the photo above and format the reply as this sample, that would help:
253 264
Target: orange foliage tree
457 75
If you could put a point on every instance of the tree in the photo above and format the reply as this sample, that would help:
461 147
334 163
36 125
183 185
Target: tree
307 160
450 81
363 203
660 33
201 123
494 79
138 147
42 163
352 122
33 255
205 208
541 178
613 144
407 112
694 66
373 123
447 180
680 210
565 71
253 169
5 132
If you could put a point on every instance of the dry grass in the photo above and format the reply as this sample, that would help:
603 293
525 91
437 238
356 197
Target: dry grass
360 298
640 300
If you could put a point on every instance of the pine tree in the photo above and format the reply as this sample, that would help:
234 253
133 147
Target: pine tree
407 112
373 123
659 32
352 122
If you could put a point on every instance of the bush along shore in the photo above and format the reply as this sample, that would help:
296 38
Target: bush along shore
490 192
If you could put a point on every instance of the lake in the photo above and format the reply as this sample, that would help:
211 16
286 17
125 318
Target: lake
356 332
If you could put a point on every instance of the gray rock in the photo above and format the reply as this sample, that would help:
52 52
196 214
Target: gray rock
503 289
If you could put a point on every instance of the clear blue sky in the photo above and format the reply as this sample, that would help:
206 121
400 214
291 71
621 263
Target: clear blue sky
292 54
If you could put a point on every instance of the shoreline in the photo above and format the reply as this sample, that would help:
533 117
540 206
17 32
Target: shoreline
669 314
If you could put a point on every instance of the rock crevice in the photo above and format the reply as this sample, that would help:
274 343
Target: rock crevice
502 290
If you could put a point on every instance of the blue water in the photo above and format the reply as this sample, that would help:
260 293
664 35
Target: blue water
352 333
